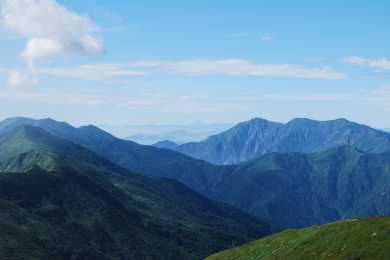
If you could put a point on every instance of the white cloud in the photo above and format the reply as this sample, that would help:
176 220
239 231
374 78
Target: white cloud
381 64
49 28
355 61
21 77
314 59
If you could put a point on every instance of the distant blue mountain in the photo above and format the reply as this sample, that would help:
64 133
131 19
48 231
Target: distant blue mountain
166 144
150 134
257 137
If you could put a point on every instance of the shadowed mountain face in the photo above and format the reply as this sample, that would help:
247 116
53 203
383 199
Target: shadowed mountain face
256 137
357 238
59 200
298 190
293 189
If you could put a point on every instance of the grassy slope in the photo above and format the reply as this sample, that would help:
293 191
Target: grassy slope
357 238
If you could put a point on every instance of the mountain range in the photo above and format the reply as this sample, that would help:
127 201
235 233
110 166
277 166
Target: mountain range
152 133
60 200
178 137
257 137
294 189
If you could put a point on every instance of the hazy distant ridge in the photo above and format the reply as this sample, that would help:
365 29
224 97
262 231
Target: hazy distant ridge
256 137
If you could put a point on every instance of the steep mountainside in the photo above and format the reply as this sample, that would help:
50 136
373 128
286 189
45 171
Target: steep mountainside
44 215
298 190
357 238
256 137
142 158
64 203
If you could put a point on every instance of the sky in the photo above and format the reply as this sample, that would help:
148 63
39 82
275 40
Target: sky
175 62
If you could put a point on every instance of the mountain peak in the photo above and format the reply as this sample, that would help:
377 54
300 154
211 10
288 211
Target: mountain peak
94 132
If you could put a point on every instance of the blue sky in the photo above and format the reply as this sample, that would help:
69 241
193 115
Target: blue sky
174 62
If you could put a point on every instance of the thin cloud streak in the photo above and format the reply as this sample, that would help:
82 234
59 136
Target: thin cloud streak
186 103
268 37
381 64
86 73
229 67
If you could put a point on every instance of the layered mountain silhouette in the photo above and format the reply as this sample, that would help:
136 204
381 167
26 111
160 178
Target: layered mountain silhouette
60 200
293 189
256 137
81 193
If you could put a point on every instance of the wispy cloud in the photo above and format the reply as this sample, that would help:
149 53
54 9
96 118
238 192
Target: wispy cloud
50 30
268 37
184 103
106 12
99 72
161 102
381 64
380 97
382 91
108 72
237 68
126 82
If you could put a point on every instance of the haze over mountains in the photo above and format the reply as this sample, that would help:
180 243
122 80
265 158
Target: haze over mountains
150 134
256 137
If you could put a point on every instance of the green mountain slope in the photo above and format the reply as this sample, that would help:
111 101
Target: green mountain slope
298 190
45 216
357 238
141 158
161 219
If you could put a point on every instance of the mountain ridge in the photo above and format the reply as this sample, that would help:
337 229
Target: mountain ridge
258 136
